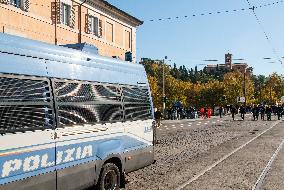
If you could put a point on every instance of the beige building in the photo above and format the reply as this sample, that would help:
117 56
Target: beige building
95 22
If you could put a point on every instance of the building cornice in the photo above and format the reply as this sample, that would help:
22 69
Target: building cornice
111 9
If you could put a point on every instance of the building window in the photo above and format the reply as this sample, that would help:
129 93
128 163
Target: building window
66 12
94 25
16 3
109 32
127 39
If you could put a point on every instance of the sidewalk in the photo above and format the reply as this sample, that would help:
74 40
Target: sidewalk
189 120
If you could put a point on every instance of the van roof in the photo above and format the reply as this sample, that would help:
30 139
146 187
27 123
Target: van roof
29 57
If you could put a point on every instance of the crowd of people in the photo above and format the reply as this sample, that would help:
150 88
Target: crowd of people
264 111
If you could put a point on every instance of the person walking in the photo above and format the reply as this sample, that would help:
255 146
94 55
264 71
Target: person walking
243 112
279 112
255 112
220 111
262 112
268 111
209 112
158 116
233 112
202 112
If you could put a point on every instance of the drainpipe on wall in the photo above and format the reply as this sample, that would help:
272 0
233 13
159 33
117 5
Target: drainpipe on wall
55 25
80 21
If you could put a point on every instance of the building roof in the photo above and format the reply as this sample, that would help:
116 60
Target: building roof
240 64
217 65
113 9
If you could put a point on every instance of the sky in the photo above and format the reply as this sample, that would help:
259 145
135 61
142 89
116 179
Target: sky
189 41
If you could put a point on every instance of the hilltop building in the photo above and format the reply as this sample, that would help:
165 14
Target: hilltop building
95 22
228 66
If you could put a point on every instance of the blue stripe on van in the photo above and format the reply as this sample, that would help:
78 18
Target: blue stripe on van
23 165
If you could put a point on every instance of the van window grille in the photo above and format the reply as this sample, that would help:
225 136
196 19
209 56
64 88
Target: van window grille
83 102
83 114
23 90
25 104
137 103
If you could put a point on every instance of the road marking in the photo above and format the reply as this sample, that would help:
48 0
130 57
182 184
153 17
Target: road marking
197 124
173 125
222 159
206 123
213 122
181 126
263 174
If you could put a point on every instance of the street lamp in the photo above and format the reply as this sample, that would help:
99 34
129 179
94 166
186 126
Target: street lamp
244 90
164 95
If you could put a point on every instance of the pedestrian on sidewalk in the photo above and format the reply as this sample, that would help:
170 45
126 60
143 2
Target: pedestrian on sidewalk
158 116
255 112
279 112
233 112
209 112
262 112
243 112
202 112
220 111
268 111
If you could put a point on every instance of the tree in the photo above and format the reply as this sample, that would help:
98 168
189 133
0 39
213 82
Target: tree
156 92
234 87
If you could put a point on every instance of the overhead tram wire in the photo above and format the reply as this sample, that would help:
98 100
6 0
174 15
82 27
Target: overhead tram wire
217 12
252 8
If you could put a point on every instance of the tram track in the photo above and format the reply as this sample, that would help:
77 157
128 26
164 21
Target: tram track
264 173
225 157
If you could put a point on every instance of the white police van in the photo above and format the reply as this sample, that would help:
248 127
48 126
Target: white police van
70 119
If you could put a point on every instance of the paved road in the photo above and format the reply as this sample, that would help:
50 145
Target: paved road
188 148
242 169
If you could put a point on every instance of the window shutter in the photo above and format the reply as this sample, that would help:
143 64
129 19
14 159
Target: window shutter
5 2
25 5
100 28
59 12
72 17
88 23
56 12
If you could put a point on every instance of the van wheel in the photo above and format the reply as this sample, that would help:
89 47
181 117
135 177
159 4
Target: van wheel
110 177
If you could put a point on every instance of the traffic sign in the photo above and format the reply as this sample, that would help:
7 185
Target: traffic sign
241 99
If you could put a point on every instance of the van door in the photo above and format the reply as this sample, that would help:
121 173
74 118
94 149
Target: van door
76 158
27 145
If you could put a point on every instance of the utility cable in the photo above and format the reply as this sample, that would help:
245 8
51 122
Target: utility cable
252 8
217 12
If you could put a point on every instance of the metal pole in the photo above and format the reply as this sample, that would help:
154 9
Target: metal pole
271 95
245 88
164 102
80 21
55 24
